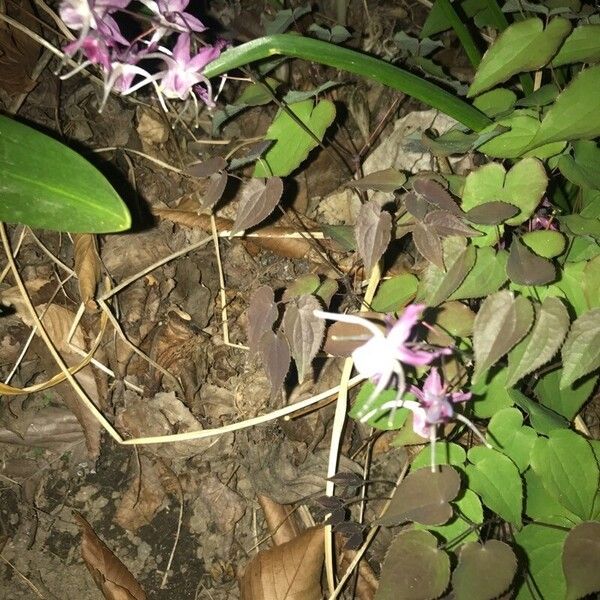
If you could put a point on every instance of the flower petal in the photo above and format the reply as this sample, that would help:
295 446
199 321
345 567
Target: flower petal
402 328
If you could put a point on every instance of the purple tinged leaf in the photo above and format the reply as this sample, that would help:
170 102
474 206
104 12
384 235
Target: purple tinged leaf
303 331
423 497
329 502
527 268
484 571
373 233
416 206
262 314
347 479
492 213
502 322
414 568
275 354
445 224
581 560
216 187
258 206
388 180
206 168
336 516
428 244
253 154
435 194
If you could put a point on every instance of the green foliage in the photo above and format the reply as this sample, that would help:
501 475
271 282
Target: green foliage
46 184
395 293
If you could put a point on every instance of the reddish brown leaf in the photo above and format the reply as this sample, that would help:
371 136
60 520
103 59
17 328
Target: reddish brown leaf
291 571
262 313
444 223
258 206
275 354
581 560
112 577
527 268
216 187
428 244
303 331
208 167
433 193
492 213
388 180
416 205
373 233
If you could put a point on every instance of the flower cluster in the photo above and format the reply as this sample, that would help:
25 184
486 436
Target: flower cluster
381 360
101 43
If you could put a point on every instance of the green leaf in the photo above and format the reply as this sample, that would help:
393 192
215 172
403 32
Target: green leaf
497 481
541 97
495 102
545 243
523 46
581 560
425 568
486 277
491 393
437 284
45 184
566 402
292 140
513 143
581 351
501 322
484 571
446 453
576 113
543 548
581 45
305 284
542 342
395 293
543 419
467 511
541 506
508 435
583 168
568 469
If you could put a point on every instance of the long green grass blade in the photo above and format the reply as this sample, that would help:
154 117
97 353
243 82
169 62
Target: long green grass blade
461 31
354 62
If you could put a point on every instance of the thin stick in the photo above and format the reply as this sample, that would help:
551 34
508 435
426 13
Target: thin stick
222 294
156 161
29 583
15 253
179 523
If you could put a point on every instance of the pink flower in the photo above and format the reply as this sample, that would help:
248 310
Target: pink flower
436 404
169 16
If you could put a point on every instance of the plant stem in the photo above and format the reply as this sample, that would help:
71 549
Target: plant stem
353 62
463 34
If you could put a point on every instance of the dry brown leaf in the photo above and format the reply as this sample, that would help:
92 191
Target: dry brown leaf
281 520
291 571
142 499
87 266
112 577
18 51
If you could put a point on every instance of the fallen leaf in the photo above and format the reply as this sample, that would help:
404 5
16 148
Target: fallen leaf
112 577
275 354
281 520
373 233
87 266
215 189
291 571
262 314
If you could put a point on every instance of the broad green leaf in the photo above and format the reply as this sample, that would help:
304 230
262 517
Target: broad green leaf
581 560
305 284
542 342
508 435
486 277
383 420
495 102
425 568
572 285
423 496
545 243
522 129
491 393
568 401
523 46
583 168
541 97
446 453
568 469
591 282
292 141
581 351
45 184
542 507
467 511
541 418
484 571
502 321
395 293
576 113
449 321
582 225
581 45
437 284
495 478
542 546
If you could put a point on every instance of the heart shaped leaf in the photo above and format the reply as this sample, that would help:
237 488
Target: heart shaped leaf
581 560
508 435
388 180
581 352
527 268
258 206
424 497
373 233
492 213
